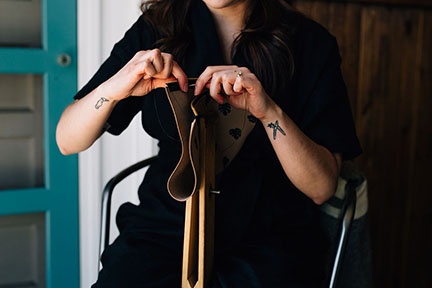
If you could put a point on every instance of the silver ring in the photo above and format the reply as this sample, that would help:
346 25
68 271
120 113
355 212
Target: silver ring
239 73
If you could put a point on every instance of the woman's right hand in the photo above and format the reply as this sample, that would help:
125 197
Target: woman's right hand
146 71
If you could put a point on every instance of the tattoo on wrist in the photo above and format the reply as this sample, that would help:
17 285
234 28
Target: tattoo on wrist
100 102
275 126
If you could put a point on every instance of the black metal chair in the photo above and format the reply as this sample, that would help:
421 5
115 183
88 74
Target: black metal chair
107 197
345 216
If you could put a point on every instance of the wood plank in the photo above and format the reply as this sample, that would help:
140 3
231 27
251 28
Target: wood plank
409 3
190 246
401 3
343 21
419 233
386 89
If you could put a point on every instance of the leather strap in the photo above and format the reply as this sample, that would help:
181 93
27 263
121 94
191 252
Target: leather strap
232 128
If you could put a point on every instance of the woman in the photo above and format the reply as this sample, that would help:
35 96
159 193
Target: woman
288 68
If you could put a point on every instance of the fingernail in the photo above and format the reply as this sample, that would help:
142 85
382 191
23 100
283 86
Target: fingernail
196 90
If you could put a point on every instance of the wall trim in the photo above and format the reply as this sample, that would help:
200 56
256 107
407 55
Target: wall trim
100 25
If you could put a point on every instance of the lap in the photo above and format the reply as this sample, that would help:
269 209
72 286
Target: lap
156 262
140 262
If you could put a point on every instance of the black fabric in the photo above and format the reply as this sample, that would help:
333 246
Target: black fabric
266 230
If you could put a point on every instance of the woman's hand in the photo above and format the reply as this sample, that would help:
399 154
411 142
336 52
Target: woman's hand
234 84
84 120
301 158
145 71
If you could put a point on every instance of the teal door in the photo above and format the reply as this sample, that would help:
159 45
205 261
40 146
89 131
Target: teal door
39 241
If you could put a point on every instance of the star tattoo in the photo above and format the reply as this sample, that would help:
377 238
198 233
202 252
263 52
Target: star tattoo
100 102
275 126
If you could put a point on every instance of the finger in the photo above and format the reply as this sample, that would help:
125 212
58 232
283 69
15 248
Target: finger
228 81
207 75
215 87
245 82
238 85
157 60
180 75
167 65
146 69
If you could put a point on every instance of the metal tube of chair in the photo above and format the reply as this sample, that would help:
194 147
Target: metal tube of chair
348 213
106 201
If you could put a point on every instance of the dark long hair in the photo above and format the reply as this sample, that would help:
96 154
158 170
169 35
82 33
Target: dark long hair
265 42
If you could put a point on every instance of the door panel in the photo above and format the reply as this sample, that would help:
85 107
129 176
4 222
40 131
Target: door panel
20 23
21 131
37 183
22 244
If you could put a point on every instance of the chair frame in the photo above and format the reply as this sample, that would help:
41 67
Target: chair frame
345 222
107 199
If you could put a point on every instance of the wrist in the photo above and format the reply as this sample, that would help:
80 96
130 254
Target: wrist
272 112
101 92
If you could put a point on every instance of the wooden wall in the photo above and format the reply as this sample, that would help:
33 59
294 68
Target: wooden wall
387 64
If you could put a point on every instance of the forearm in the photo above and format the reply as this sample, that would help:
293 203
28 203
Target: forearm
83 122
311 168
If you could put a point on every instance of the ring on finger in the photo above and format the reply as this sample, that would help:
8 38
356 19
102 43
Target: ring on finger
239 73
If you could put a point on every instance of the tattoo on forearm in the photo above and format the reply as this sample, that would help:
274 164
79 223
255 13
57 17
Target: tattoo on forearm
100 102
275 126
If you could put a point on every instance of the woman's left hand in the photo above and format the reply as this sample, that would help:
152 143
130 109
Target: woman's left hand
234 84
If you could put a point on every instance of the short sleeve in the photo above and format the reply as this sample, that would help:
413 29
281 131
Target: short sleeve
326 115
138 37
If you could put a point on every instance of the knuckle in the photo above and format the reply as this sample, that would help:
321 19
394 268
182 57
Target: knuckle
225 77
146 64
148 67
139 54
217 75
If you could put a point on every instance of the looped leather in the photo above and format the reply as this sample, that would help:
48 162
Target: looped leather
232 127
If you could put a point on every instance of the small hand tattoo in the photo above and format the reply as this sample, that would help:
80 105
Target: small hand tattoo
275 126
100 102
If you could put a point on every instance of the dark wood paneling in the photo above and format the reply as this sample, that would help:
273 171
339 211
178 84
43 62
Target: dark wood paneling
343 21
388 94
410 3
425 3
420 250
387 65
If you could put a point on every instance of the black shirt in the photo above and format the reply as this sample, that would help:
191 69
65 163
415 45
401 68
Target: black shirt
258 204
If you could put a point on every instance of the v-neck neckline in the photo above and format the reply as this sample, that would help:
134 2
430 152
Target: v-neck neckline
206 49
